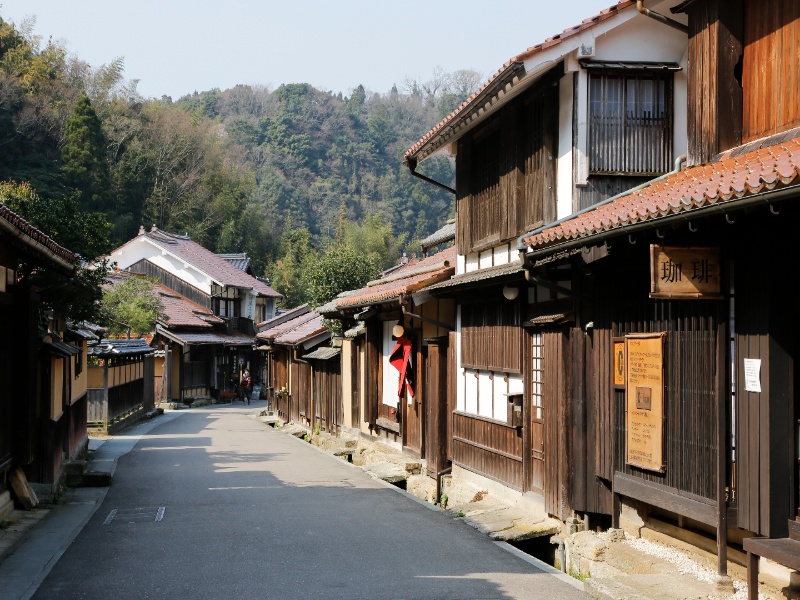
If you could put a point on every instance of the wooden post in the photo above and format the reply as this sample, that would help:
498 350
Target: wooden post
722 444
752 576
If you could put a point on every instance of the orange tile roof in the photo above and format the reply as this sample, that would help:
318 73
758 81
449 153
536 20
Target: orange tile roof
735 175
410 278
182 312
285 327
307 330
453 117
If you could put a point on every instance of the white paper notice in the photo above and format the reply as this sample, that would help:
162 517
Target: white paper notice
752 374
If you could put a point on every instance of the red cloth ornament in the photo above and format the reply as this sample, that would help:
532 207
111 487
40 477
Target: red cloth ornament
400 359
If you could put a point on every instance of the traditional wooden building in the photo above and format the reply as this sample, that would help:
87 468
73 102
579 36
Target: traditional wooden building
681 361
565 125
300 390
42 385
394 357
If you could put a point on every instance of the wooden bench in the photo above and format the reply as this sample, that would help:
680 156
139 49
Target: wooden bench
784 551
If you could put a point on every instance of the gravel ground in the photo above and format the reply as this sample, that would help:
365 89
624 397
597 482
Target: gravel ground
687 565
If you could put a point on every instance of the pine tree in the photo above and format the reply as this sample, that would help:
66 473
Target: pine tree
84 161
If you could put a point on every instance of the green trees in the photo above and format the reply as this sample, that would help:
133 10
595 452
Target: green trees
84 156
131 305
226 166
85 234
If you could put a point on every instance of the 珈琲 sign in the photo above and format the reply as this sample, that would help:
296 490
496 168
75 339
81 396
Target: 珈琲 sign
685 272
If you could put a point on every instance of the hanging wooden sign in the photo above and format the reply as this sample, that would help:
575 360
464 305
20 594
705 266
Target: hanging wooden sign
685 272
644 391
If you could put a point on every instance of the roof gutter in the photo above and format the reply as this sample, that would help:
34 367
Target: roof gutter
660 18
411 162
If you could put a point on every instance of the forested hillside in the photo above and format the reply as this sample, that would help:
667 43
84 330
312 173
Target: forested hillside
280 174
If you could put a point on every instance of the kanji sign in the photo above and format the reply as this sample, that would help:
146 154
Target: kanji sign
685 272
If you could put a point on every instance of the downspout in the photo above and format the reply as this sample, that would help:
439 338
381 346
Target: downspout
660 18
411 163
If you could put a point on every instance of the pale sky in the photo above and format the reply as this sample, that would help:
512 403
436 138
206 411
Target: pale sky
176 47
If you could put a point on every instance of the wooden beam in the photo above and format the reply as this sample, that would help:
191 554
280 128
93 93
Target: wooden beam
665 497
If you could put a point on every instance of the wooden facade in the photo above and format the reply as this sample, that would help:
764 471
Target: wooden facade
505 171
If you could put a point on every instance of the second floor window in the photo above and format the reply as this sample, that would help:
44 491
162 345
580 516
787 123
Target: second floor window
226 307
630 123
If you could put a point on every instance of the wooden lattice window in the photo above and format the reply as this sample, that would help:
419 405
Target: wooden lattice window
491 336
485 185
630 123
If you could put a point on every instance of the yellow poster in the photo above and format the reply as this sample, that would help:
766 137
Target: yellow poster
644 391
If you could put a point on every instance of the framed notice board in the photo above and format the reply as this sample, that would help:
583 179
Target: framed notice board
644 401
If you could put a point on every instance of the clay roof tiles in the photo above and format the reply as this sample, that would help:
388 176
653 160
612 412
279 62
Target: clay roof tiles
212 264
273 332
182 312
33 238
303 332
410 278
730 177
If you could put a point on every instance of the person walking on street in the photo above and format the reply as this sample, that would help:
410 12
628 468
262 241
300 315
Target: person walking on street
245 386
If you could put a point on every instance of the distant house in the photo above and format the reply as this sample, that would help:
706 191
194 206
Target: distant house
120 382
207 358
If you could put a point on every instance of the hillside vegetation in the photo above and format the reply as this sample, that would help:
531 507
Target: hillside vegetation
283 174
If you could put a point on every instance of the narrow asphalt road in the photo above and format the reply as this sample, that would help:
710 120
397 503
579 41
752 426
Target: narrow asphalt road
216 505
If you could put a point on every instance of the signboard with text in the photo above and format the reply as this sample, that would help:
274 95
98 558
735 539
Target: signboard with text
685 272
644 391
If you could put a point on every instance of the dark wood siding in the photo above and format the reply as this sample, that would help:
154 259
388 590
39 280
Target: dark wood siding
506 171
436 413
714 93
489 448
690 394
491 336
771 67
765 445
172 282
328 408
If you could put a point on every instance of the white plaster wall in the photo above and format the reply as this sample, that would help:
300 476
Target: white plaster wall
500 412
565 157
141 249
460 376
470 392
501 255
486 395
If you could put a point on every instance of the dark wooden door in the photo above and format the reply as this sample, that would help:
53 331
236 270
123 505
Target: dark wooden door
413 407
435 387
